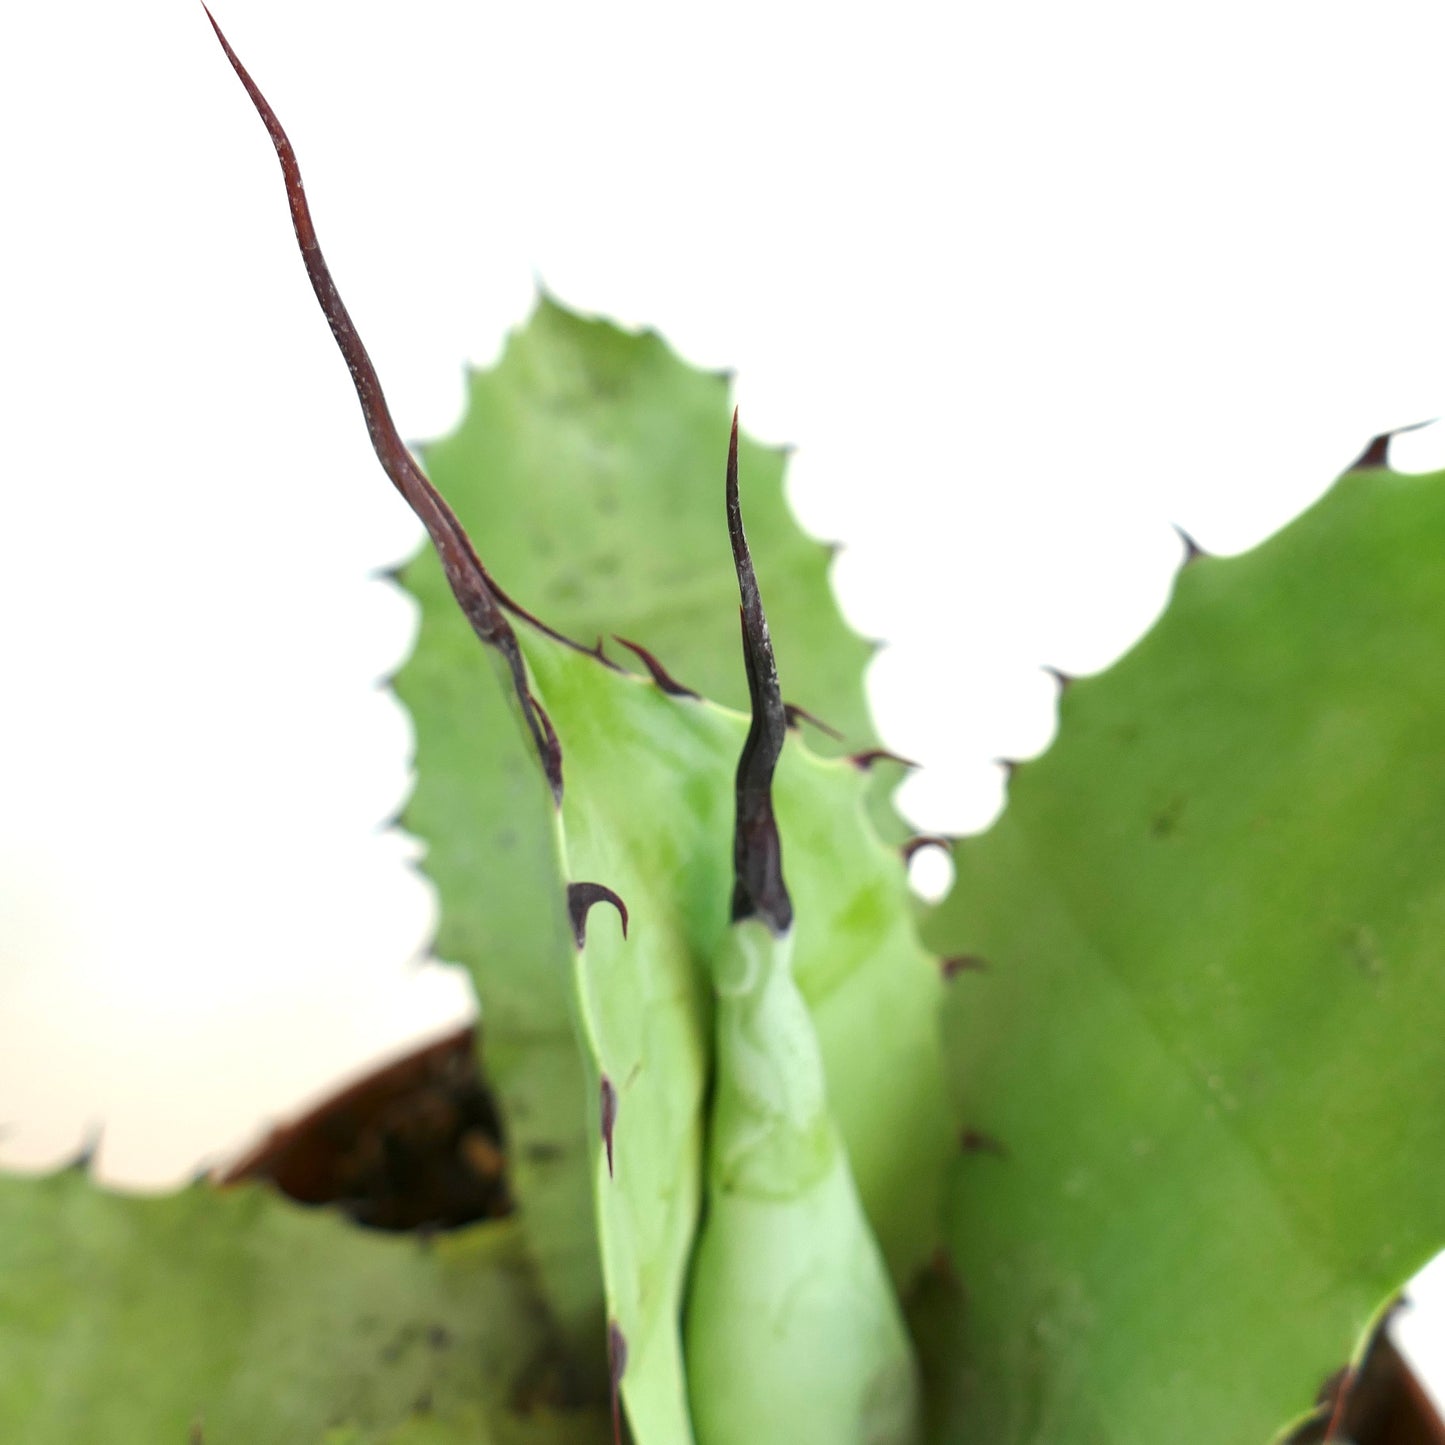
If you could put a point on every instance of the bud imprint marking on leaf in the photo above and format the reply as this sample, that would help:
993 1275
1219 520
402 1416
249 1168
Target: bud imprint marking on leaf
793 1331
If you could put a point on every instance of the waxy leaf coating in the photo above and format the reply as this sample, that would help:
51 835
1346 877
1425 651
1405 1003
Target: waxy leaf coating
1209 1042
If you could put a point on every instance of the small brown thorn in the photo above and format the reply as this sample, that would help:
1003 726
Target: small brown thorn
616 1368
1192 550
1065 680
600 652
609 1118
942 1267
1010 767
517 610
864 761
581 897
975 1141
1376 455
795 714
660 675
392 574
961 963
921 841
89 1151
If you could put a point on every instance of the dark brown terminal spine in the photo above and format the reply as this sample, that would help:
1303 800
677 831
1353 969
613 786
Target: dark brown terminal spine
474 590
758 888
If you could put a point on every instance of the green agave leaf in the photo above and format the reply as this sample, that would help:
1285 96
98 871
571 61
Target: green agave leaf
1202 1080
648 809
488 818
586 468
236 1318
636 770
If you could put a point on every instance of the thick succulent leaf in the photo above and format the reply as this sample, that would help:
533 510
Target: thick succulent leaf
1203 1080
504 848
237 1318
648 809
586 471
487 816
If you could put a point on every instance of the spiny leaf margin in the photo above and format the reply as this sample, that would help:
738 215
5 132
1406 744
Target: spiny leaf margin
1212 915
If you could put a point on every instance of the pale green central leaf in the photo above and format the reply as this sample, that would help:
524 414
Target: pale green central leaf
648 810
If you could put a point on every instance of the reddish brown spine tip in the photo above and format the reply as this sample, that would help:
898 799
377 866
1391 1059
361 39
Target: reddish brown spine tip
616 1368
915 845
660 675
975 1141
1375 457
1192 550
581 897
962 963
1010 767
864 761
609 1118
1065 680
795 714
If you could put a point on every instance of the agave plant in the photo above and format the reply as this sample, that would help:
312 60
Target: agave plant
1074 1156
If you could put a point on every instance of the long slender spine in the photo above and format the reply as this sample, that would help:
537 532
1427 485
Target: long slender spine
793 1332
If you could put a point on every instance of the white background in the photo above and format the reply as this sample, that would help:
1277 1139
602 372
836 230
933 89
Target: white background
1025 284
